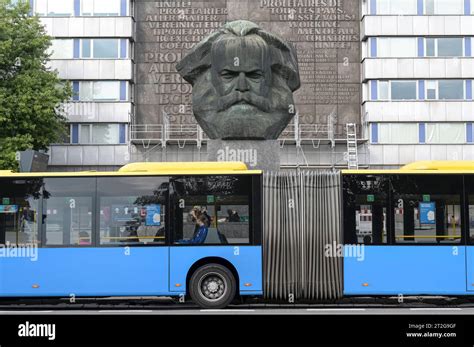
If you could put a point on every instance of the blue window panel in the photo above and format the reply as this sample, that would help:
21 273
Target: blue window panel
123 90
421 47
86 48
422 132
32 6
76 53
374 133
373 90
419 7
467 47
373 47
75 90
123 7
469 134
467 7
123 48
75 133
77 8
468 89
122 133
373 6
421 90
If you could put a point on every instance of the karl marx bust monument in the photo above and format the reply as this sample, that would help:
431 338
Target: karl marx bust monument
243 79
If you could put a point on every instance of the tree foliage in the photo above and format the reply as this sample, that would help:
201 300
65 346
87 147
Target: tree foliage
31 95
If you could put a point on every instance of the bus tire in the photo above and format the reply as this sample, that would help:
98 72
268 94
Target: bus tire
212 286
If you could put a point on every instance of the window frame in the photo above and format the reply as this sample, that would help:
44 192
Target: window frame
91 48
42 225
463 83
91 85
416 82
467 234
255 206
344 211
47 13
380 41
167 243
464 210
93 14
91 128
38 223
435 9
255 224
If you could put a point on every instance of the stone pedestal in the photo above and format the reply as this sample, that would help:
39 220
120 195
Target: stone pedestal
258 155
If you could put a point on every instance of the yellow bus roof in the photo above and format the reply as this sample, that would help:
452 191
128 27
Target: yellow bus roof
151 168
425 167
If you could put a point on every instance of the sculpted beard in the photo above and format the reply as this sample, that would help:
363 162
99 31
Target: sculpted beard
239 110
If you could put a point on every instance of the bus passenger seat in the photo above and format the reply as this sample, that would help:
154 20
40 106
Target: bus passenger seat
212 236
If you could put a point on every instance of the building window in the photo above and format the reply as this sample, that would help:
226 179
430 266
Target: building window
444 7
419 90
445 133
384 87
445 90
444 47
62 49
450 47
396 7
100 48
403 90
53 8
396 47
101 7
451 89
100 133
432 90
100 91
413 133
397 133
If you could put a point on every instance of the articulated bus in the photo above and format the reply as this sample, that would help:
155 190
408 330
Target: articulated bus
417 229
128 233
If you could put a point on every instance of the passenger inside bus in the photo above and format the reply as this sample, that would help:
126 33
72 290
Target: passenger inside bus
201 234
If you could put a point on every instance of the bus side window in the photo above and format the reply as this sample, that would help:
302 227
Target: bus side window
68 211
223 201
427 208
365 209
132 210
19 211
469 182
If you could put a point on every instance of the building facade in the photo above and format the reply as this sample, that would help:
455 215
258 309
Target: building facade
384 82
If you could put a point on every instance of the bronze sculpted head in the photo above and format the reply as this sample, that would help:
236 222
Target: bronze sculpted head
243 80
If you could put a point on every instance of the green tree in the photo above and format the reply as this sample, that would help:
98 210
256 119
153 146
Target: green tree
31 95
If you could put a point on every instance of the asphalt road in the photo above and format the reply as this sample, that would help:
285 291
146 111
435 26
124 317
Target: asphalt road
257 311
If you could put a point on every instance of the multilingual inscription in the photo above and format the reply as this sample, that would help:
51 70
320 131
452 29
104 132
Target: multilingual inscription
325 33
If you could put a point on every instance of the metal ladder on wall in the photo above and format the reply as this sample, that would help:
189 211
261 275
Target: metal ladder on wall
352 158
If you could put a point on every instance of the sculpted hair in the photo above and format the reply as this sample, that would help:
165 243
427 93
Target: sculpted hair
283 60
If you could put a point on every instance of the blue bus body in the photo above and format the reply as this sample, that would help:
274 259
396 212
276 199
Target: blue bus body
410 270
122 271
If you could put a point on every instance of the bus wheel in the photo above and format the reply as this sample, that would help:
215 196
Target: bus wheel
212 286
